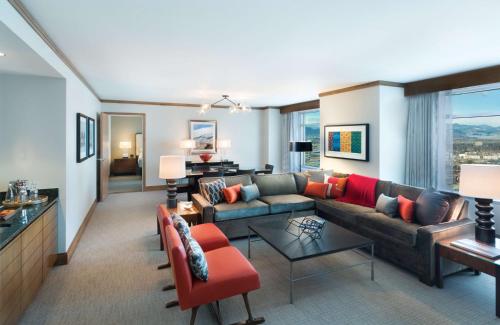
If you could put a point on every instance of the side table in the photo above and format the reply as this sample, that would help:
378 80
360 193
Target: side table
478 263
192 217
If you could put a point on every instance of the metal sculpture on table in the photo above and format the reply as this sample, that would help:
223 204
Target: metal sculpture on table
311 226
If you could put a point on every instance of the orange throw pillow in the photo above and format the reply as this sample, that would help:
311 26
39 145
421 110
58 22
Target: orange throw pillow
232 193
406 209
316 189
336 187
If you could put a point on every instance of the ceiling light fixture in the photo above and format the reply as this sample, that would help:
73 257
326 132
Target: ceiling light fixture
233 106
2 54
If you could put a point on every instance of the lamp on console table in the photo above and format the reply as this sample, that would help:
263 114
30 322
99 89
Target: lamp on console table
300 146
171 169
483 183
188 145
223 145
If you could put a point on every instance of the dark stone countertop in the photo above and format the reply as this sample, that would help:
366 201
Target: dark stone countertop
18 222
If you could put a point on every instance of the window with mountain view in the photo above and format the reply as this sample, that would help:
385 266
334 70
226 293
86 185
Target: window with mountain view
310 132
476 129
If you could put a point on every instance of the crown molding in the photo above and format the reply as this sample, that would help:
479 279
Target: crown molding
302 106
28 17
361 86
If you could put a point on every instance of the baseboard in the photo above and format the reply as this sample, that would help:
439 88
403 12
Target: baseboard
64 258
155 188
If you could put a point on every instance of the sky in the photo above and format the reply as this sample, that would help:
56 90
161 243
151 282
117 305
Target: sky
480 103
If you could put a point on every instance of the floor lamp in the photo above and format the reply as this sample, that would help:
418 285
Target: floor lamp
172 168
300 146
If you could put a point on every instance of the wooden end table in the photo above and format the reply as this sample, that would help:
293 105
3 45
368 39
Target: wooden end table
192 217
478 263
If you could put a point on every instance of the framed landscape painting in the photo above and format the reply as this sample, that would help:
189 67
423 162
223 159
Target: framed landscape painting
349 141
204 133
81 137
91 137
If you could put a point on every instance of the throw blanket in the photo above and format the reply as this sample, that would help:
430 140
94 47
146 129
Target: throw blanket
360 190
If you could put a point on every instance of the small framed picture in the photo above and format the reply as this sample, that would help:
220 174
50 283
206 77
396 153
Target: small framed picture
350 141
81 137
91 137
204 133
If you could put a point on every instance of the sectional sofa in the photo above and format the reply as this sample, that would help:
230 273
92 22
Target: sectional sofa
408 245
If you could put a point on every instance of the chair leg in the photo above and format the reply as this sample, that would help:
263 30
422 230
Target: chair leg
194 311
164 266
251 320
168 287
172 303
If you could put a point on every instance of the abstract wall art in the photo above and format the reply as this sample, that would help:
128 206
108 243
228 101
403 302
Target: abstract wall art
347 141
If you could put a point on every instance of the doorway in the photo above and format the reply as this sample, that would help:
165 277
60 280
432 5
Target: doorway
122 153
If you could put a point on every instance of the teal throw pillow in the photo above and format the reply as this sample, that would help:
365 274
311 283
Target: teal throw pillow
387 205
250 192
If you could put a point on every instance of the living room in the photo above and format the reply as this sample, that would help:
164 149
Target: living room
247 163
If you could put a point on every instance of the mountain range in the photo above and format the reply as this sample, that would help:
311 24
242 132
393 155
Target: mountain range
476 131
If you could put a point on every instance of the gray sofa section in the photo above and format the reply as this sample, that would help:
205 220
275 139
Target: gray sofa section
408 245
278 199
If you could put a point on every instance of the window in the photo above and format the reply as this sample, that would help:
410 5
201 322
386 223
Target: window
476 129
309 126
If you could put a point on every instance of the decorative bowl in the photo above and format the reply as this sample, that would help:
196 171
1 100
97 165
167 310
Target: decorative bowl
205 157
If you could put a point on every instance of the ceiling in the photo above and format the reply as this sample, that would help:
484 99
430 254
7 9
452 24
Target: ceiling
265 52
20 58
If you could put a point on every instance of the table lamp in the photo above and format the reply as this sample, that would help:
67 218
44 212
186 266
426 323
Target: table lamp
300 146
171 169
125 145
482 183
223 145
188 145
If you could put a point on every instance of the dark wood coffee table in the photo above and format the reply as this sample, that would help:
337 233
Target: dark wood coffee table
334 239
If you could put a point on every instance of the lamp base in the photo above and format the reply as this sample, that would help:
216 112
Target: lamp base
485 232
171 194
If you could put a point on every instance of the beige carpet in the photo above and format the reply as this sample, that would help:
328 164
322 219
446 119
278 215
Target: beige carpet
112 279
127 183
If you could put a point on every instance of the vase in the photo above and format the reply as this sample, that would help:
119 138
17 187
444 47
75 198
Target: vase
205 157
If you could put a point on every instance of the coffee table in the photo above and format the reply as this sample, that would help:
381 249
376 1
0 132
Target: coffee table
334 239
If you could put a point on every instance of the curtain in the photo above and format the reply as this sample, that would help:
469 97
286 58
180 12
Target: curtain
429 146
290 126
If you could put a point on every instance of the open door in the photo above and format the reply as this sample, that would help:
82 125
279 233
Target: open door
104 156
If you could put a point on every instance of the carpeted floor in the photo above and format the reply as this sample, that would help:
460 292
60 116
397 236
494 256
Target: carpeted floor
112 279
127 183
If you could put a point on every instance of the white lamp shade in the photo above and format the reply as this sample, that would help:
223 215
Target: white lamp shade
172 167
188 144
480 181
125 144
224 144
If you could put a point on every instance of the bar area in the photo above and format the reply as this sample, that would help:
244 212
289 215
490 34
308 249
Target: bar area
28 251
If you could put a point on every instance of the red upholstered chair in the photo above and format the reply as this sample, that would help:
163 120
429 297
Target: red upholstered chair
207 235
229 274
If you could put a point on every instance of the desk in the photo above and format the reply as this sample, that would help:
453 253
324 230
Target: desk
444 249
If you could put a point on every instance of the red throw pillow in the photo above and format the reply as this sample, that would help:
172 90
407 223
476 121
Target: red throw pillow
232 193
406 209
360 190
316 189
336 187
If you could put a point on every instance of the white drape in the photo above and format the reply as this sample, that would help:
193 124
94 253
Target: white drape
429 145
290 125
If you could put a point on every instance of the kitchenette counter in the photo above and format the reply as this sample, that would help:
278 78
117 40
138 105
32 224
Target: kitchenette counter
25 216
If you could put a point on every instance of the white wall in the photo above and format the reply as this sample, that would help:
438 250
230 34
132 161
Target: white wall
385 110
167 126
392 138
354 107
80 189
32 131
124 128
271 138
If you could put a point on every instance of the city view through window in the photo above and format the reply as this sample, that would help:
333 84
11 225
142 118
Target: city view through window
476 130
310 132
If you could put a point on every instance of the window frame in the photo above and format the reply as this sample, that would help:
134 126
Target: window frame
302 127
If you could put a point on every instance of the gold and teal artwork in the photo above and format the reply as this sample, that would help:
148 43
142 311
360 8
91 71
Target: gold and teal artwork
347 141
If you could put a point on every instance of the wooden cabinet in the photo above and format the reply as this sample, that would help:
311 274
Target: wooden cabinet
124 166
24 265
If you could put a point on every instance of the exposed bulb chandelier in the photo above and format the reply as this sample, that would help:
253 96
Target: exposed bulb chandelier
233 106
